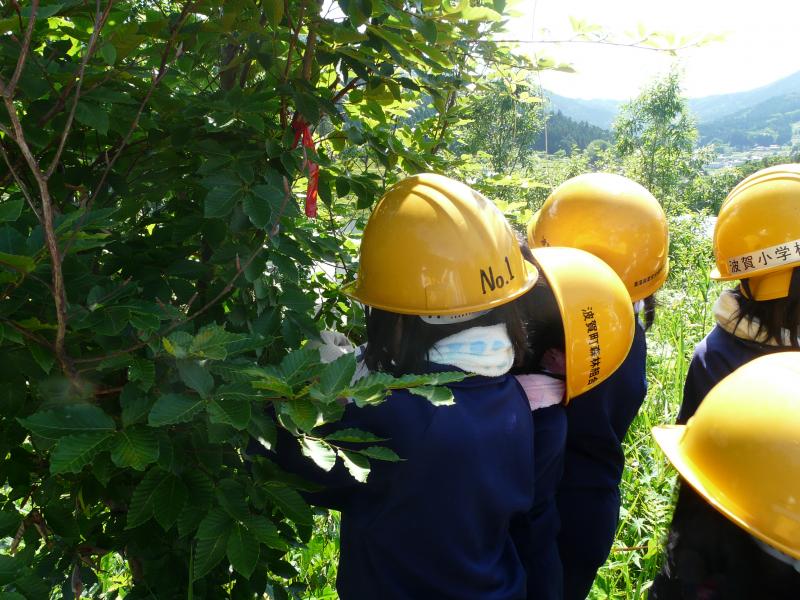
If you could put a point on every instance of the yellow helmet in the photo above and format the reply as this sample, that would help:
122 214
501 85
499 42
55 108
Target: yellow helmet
434 246
614 218
757 234
532 226
741 449
596 311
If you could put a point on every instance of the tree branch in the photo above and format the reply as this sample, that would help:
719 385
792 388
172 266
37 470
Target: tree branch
21 184
99 22
8 91
240 268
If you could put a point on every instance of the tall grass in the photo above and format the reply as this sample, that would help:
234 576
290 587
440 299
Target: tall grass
683 318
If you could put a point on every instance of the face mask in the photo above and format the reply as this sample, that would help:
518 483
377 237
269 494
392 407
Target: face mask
777 554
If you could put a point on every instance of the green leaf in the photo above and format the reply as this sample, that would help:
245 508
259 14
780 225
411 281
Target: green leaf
11 568
109 53
289 502
208 553
336 376
297 365
43 357
216 523
438 396
134 447
230 411
92 116
174 408
160 494
220 202
274 11
143 371
212 341
44 11
23 264
318 451
265 532
67 420
232 499
74 452
135 404
304 414
242 550
356 464
11 210
353 435
257 210
274 383
177 344
263 429
9 522
380 453
196 377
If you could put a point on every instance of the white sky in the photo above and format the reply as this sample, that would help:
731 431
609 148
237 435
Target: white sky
762 43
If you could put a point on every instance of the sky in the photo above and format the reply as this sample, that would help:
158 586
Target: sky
761 44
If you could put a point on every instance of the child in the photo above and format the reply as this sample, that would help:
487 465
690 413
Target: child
755 236
619 221
439 268
737 533
581 319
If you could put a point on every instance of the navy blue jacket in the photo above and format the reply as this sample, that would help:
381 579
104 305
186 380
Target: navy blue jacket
536 533
435 525
718 355
588 496
708 556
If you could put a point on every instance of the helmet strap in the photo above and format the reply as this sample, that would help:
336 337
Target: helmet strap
794 283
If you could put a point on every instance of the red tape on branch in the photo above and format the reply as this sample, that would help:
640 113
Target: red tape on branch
302 132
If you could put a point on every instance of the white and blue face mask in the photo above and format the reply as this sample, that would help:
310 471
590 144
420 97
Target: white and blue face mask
778 555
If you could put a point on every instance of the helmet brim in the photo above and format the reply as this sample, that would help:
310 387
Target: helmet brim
353 290
668 437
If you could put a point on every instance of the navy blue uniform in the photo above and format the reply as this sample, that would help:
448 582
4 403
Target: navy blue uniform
435 525
536 533
708 556
717 356
588 496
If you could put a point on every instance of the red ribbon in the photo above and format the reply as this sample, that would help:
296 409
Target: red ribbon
302 132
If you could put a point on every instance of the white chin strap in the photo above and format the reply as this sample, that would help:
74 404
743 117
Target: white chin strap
777 554
450 319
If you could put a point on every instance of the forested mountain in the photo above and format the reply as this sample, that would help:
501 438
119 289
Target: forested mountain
597 112
761 116
564 133
710 108
768 122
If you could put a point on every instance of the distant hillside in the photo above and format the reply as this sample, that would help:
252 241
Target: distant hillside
600 113
563 133
768 122
712 108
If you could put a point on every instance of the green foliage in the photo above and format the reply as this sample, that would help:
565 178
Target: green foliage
768 122
565 134
655 137
158 278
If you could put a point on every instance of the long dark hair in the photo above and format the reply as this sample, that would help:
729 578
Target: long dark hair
399 344
649 311
773 315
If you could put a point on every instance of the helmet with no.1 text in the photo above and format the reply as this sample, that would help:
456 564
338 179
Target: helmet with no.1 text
434 246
